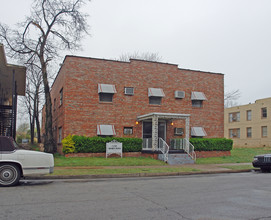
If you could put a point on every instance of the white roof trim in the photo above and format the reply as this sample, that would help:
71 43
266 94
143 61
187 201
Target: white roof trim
198 132
198 96
106 130
106 88
157 92
162 116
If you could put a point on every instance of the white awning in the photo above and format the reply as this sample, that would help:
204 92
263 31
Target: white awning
198 96
198 132
106 88
106 130
157 92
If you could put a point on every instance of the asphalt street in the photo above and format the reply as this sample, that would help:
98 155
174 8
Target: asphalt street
195 197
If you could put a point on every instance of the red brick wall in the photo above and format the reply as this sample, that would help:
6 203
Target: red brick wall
206 154
81 111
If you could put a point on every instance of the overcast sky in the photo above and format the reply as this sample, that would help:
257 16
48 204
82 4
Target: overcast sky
232 37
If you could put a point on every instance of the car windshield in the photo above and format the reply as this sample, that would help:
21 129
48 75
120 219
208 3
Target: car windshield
17 147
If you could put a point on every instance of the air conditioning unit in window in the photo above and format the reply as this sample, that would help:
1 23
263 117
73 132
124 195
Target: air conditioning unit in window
179 94
178 131
129 91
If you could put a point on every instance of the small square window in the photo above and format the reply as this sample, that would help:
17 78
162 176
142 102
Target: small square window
128 130
129 91
197 103
106 97
153 100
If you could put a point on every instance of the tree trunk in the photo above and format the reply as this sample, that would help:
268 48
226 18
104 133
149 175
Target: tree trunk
49 143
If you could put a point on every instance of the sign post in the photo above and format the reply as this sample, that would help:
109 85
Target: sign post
113 147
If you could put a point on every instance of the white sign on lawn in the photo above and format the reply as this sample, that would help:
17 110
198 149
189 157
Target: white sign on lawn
113 147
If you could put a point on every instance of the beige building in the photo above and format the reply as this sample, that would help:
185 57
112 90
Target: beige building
249 125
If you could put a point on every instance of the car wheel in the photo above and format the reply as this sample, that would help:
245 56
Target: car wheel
10 174
265 170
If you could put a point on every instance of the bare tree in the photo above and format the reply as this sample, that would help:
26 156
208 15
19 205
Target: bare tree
231 97
32 99
141 56
54 26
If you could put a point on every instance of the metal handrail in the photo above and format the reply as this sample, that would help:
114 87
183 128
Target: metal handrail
164 148
189 149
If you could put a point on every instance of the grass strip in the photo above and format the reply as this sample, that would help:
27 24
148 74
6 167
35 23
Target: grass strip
62 161
238 167
121 171
238 155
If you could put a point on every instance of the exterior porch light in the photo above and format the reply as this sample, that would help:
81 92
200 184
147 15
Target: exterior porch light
136 122
172 123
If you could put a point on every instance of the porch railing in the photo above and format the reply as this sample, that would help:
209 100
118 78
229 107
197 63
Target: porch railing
164 148
189 149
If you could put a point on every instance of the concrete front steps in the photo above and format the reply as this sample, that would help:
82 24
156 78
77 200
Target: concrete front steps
177 158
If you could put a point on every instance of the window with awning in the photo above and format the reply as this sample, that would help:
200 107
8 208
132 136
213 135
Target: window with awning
106 88
198 132
106 130
106 92
197 99
155 96
198 96
156 92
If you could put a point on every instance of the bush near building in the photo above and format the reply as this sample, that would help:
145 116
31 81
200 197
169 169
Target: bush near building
211 144
83 144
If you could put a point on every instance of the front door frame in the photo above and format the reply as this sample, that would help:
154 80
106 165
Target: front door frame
165 116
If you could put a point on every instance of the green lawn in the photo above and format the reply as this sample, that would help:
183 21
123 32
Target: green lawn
238 155
61 161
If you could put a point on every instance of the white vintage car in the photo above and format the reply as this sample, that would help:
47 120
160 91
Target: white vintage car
16 163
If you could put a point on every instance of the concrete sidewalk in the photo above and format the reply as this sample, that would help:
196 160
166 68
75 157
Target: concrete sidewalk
202 169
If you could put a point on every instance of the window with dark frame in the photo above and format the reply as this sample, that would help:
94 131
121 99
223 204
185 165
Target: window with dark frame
197 103
59 134
264 131
153 100
129 90
234 117
234 133
264 112
61 97
249 132
248 115
128 130
54 104
106 97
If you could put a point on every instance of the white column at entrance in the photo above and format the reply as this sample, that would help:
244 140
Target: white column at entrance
154 132
187 133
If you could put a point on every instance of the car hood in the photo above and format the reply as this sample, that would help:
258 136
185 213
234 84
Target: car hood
31 152
264 155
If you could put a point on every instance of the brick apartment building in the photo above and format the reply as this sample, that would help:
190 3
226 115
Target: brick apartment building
249 125
138 98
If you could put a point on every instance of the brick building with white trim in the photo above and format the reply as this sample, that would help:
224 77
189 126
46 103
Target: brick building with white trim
138 98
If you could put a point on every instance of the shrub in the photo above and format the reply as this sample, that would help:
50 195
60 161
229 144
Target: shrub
83 144
68 144
211 144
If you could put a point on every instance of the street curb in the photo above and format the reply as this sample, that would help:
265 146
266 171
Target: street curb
134 175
